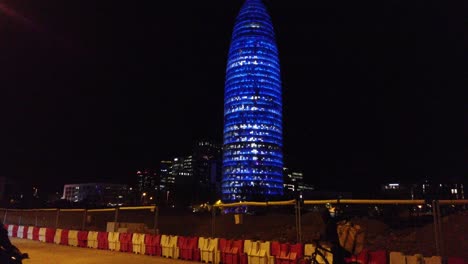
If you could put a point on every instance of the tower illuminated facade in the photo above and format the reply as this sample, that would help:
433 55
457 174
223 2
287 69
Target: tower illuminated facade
253 140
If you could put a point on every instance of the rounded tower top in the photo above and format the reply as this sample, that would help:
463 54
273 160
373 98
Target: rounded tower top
253 20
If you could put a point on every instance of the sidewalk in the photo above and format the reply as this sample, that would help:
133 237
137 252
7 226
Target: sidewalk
46 253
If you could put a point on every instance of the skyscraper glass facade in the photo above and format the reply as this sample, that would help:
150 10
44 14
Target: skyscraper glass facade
252 149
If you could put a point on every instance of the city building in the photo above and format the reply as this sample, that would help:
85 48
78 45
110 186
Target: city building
195 178
182 172
253 140
424 190
294 185
146 180
97 194
167 182
207 171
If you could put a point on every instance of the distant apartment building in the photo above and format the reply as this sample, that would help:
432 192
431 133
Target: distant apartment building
167 180
294 185
182 174
146 180
194 178
424 190
99 194
207 171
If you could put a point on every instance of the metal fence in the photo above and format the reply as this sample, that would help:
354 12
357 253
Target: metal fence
83 219
430 228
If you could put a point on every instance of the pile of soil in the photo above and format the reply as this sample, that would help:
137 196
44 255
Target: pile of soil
422 239
395 233
409 240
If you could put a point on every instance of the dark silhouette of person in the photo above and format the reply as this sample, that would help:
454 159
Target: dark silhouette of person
330 234
6 247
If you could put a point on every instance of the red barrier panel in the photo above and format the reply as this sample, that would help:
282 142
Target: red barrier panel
363 257
126 242
82 238
103 240
283 252
35 233
25 232
377 257
187 252
275 249
64 237
224 247
153 245
455 260
233 256
296 252
49 236
15 231
181 243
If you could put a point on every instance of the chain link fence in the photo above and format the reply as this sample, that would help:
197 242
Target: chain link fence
410 226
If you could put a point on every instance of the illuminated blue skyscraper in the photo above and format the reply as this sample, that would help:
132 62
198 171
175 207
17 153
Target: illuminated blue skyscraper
253 140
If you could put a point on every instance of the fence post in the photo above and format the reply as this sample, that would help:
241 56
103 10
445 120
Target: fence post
436 226
20 215
116 218
57 218
299 220
85 214
439 229
155 224
5 216
36 218
213 216
296 221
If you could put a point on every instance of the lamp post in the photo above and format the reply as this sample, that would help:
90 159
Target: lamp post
143 198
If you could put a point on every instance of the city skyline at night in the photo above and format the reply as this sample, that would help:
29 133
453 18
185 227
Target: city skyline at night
94 90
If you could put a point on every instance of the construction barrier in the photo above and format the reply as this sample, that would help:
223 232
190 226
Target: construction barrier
207 249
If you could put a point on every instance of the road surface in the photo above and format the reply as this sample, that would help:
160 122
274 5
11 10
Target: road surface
46 253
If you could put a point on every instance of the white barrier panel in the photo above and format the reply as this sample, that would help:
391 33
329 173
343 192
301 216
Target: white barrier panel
138 242
92 239
165 245
73 238
168 248
397 258
259 253
58 236
400 258
114 242
433 260
20 231
42 234
208 252
10 230
30 232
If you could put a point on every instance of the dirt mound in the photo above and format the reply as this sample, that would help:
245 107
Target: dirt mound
281 227
421 240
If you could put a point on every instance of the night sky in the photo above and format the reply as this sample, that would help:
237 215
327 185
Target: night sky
94 90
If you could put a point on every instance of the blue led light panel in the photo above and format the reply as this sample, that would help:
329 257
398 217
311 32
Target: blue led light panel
253 138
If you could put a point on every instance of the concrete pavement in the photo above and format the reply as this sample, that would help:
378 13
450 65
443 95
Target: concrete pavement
46 253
